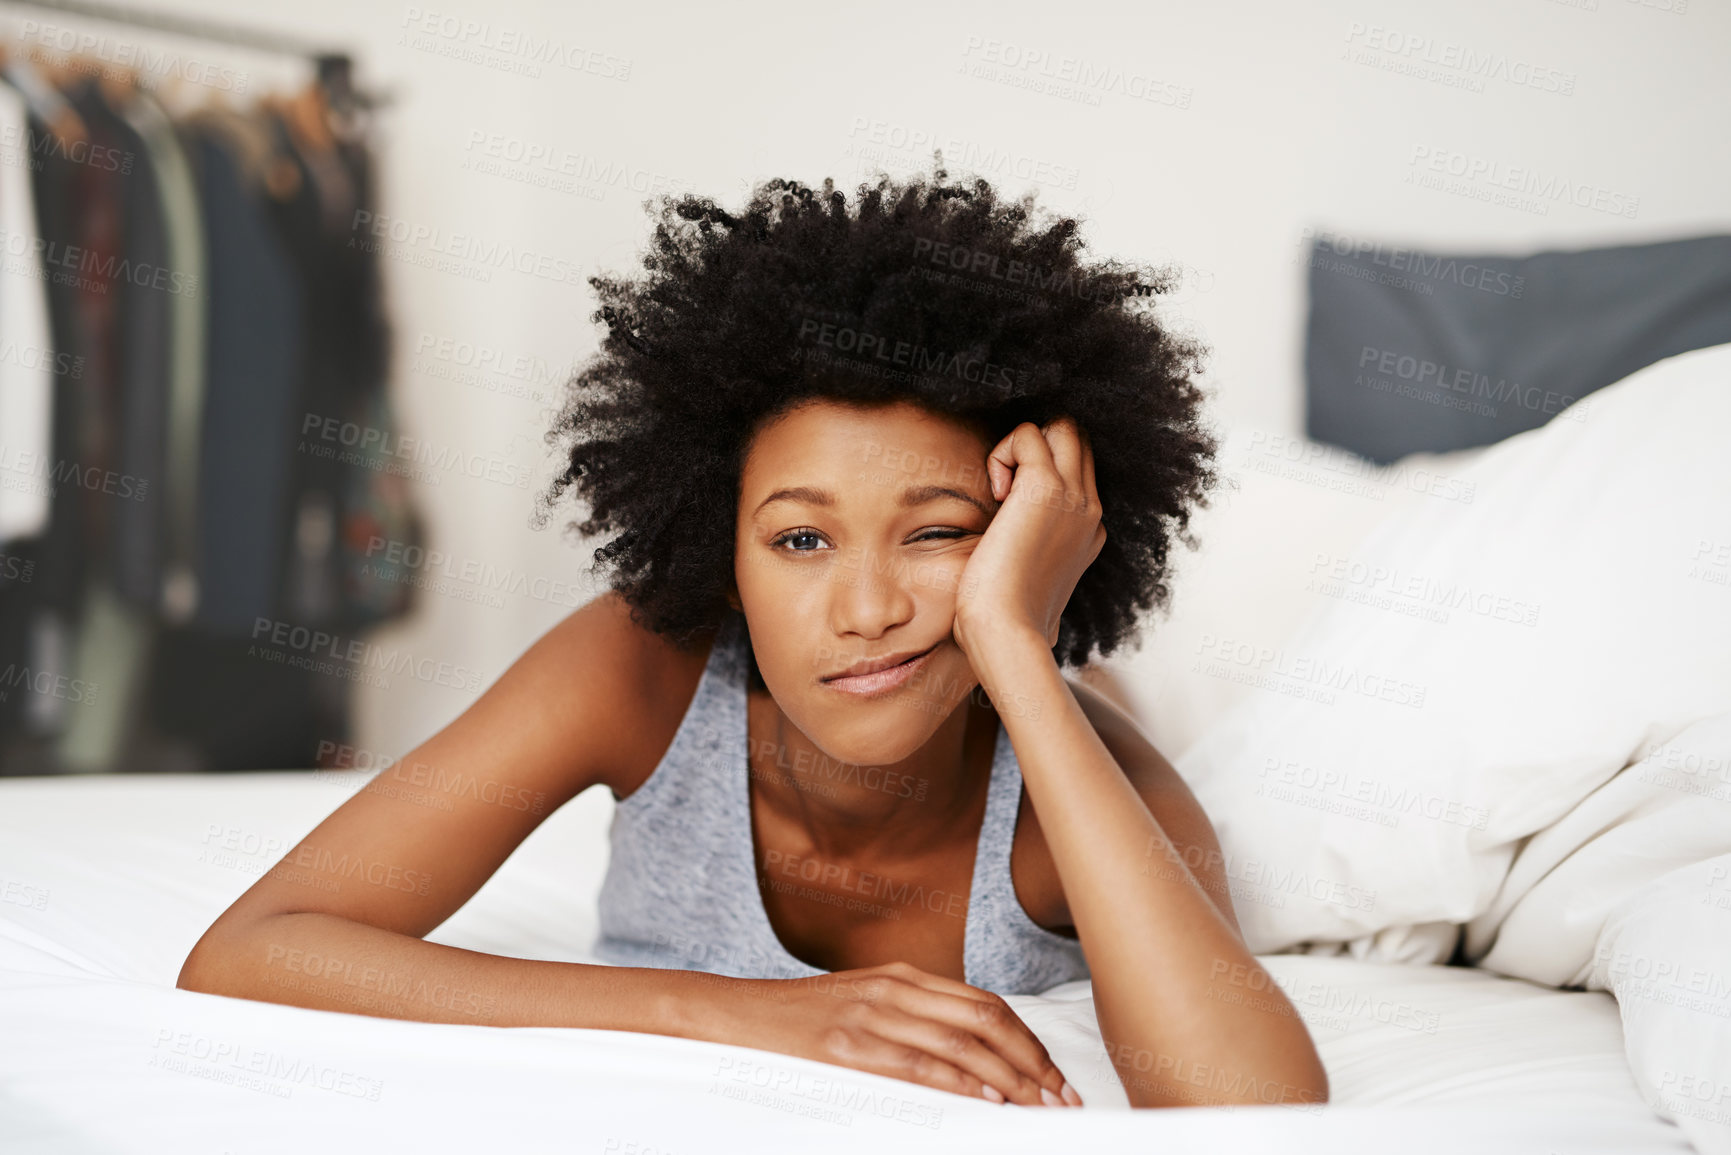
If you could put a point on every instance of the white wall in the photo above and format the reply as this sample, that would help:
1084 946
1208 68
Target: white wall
1266 119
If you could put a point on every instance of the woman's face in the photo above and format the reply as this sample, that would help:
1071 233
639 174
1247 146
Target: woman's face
854 525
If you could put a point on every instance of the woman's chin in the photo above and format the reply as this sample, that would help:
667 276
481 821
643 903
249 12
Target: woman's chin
879 731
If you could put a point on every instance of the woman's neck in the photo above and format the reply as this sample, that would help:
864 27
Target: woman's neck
897 810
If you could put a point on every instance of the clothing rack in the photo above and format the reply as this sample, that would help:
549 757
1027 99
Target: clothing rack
191 389
333 68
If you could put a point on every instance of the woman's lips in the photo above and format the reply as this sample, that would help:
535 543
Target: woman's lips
881 680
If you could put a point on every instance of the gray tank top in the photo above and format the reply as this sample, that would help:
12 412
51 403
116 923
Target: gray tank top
681 888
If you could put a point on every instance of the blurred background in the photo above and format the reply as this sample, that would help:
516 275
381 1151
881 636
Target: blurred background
289 294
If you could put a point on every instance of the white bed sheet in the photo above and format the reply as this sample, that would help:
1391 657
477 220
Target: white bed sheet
105 883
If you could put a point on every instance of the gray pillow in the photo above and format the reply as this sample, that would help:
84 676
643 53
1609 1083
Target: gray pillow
1407 351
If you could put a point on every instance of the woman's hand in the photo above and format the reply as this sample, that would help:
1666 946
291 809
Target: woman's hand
900 1021
1044 535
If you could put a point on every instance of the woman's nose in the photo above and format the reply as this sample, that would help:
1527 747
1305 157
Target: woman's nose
869 596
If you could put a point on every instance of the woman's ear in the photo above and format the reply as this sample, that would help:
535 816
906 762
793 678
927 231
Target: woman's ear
733 596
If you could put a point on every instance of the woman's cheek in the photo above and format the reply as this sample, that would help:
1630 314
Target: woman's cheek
940 576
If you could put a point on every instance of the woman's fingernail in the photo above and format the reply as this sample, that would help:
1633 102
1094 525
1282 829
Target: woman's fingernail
992 1093
1050 1099
1070 1095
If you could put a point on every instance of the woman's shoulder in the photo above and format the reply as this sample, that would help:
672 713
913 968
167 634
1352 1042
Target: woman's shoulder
639 682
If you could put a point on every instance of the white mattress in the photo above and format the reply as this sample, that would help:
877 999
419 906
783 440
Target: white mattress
106 882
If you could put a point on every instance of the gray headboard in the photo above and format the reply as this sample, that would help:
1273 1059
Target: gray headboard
1407 351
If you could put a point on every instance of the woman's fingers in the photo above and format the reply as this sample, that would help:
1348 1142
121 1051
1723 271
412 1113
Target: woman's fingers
1088 471
1064 437
1000 476
997 1029
867 1051
1067 479
1023 446
981 1013
1001 465
955 1045
911 1024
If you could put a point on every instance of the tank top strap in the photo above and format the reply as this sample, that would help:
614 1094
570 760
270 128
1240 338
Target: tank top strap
1006 949
711 736
987 911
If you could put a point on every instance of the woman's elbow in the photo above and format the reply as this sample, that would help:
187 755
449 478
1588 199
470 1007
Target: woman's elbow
195 971
208 962
1312 1092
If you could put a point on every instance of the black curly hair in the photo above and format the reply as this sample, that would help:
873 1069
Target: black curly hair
927 291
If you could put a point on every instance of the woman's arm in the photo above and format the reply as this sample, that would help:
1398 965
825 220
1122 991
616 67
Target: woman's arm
1187 1013
1173 980
337 924
330 963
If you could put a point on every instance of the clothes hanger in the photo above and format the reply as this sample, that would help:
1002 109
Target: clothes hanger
312 126
282 176
59 71
119 85
45 99
304 114
310 117
170 95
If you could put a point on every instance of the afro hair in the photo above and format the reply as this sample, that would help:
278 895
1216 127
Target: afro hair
927 291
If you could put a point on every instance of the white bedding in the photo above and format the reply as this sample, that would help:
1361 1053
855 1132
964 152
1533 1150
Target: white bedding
105 883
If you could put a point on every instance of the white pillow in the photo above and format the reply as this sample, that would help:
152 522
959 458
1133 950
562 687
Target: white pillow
1630 892
1492 659
1667 810
1666 955
1288 508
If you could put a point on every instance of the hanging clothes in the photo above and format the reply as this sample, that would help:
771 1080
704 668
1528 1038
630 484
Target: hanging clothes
122 586
336 576
252 371
183 232
143 286
101 187
32 362
309 193
377 505
199 295
41 615
28 361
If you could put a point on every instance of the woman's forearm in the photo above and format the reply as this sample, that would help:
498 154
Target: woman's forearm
331 963
1168 970
882 1019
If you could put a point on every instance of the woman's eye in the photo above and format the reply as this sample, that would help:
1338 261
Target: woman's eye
940 534
798 535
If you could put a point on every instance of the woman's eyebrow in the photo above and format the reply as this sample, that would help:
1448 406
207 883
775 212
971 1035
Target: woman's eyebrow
919 495
802 493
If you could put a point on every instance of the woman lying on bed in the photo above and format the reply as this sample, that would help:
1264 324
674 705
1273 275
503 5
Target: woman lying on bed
860 462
